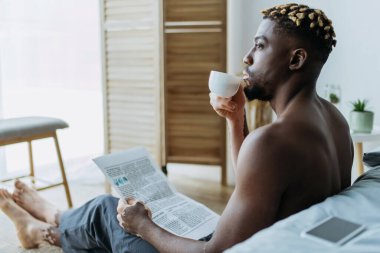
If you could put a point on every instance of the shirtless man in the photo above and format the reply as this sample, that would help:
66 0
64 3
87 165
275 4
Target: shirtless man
302 158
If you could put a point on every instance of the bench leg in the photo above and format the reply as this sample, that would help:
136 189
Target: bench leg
31 164
65 184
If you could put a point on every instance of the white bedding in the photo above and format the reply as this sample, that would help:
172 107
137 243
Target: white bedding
360 203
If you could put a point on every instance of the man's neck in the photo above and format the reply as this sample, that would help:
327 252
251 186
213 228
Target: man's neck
291 90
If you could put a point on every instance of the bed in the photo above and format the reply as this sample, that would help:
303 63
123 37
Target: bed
359 203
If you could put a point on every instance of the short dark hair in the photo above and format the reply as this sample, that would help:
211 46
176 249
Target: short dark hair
305 23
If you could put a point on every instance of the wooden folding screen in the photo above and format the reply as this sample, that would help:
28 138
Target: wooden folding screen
145 40
132 71
195 43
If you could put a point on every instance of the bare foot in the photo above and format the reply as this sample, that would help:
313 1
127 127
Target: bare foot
28 199
30 231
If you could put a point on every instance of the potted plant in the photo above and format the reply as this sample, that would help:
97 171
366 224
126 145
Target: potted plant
361 120
332 93
334 99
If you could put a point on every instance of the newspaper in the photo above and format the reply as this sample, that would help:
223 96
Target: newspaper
134 174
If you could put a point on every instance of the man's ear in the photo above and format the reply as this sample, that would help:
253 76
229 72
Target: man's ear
298 59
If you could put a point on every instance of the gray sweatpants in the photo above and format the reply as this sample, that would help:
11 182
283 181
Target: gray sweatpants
93 227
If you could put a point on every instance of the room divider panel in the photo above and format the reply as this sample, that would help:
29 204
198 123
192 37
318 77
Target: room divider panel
157 55
195 43
132 74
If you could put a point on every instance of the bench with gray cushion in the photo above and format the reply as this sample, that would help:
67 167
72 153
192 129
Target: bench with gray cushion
359 203
28 129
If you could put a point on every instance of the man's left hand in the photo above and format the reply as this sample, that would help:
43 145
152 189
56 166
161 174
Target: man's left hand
132 214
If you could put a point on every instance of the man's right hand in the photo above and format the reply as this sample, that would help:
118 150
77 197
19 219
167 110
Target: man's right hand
230 108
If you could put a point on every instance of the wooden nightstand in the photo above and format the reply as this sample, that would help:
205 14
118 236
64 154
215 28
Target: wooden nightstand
358 140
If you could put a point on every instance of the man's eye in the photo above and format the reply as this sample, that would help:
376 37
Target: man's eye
259 45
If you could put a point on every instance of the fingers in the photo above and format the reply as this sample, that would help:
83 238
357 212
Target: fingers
127 202
132 201
149 212
120 219
146 208
121 205
221 103
124 203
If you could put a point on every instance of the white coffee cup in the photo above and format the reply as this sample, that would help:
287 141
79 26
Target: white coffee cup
222 84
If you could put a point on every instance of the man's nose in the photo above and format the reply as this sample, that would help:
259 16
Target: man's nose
248 58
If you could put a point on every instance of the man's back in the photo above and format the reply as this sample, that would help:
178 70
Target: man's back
321 159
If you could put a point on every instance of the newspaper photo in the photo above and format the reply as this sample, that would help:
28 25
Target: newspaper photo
133 173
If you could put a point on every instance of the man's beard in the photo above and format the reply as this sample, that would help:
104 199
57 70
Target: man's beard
255 91
255 87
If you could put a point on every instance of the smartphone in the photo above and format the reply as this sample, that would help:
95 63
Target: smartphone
333 231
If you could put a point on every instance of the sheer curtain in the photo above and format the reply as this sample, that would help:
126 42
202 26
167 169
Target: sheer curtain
50 66
2 154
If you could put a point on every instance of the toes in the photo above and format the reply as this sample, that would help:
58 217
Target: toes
20 185
8 194
16 193
16 197
5 194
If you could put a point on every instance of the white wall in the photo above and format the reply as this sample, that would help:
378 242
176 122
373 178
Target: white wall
354 64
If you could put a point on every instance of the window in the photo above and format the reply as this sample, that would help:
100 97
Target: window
50 66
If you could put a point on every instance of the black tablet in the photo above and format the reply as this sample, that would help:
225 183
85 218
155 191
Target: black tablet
334 230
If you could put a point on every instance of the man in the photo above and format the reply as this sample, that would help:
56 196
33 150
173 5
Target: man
302 158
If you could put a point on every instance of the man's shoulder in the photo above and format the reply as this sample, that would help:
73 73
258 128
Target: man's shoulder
266 158
274 144
275 136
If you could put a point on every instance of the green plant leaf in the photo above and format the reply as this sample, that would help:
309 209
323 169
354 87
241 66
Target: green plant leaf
334 98
359 105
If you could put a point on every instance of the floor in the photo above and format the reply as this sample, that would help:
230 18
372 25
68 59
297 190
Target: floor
208 192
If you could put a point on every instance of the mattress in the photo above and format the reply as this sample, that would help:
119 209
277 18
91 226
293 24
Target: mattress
359 203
